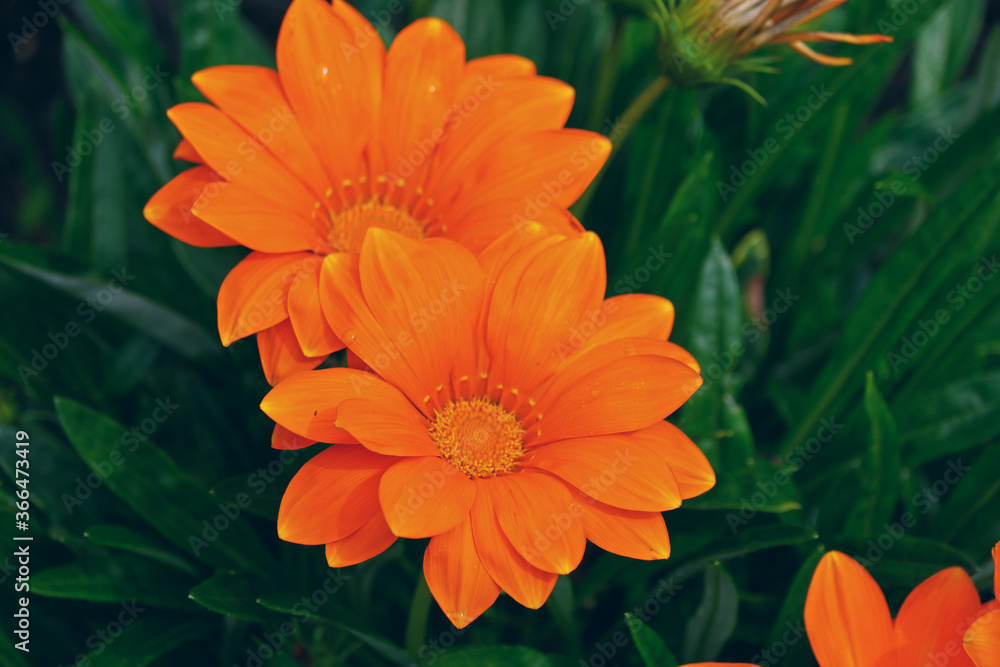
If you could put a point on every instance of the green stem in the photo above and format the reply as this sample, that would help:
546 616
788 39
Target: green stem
605 88
633 114
416 624
648 180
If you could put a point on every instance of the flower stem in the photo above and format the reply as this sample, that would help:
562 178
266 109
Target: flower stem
416 624
632 115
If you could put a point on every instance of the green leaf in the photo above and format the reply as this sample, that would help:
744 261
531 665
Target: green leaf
952 238
880 468
951 419
130 365
652 649
792 609
291 603
147 639
157 321
749 540
151 483
263 502
758 486
909 560
494 656
715 618
977 492
120 537
234 595
116 578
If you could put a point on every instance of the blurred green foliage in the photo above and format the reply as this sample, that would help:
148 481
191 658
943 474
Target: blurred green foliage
830 255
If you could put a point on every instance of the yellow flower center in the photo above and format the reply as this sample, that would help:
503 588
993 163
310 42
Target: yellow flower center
347 228
478 437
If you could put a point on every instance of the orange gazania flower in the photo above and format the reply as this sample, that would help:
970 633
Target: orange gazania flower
297 164
515 414
849 625
982 641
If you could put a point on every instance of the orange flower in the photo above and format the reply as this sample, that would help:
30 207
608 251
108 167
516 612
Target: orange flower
849 625
515 414
982 641
297 164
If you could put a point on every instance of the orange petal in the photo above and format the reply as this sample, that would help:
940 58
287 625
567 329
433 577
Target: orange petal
540 518
170 209
253 97
621 386
982 641
996 570
280 354
366 542
254 295
503 67
304 310
930 622
388 425
185 151
548 167
456 576
480 227
306 403
334 494
488 113
627 316
423 70
639 535
240 158
846 615
528 328
627 470
427 296
333 86
257 221
521 580
693 472
425 496
282 438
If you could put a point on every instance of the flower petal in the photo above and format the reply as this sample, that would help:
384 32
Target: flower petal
521 580
282 438
185 151
632 316
388 425
366 542
423 70
503 66
982 641
528 328
930 622
306 403
693 472
280 354
639 535
846 615
626 470
456 576
621 386
254 295
425 496
334 494
253 97
540 518
335 94
304 310
240 158
170 209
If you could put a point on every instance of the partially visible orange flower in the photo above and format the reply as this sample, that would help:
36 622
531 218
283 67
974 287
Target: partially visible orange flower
849 624
515 414
982 641
298 164
711 41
